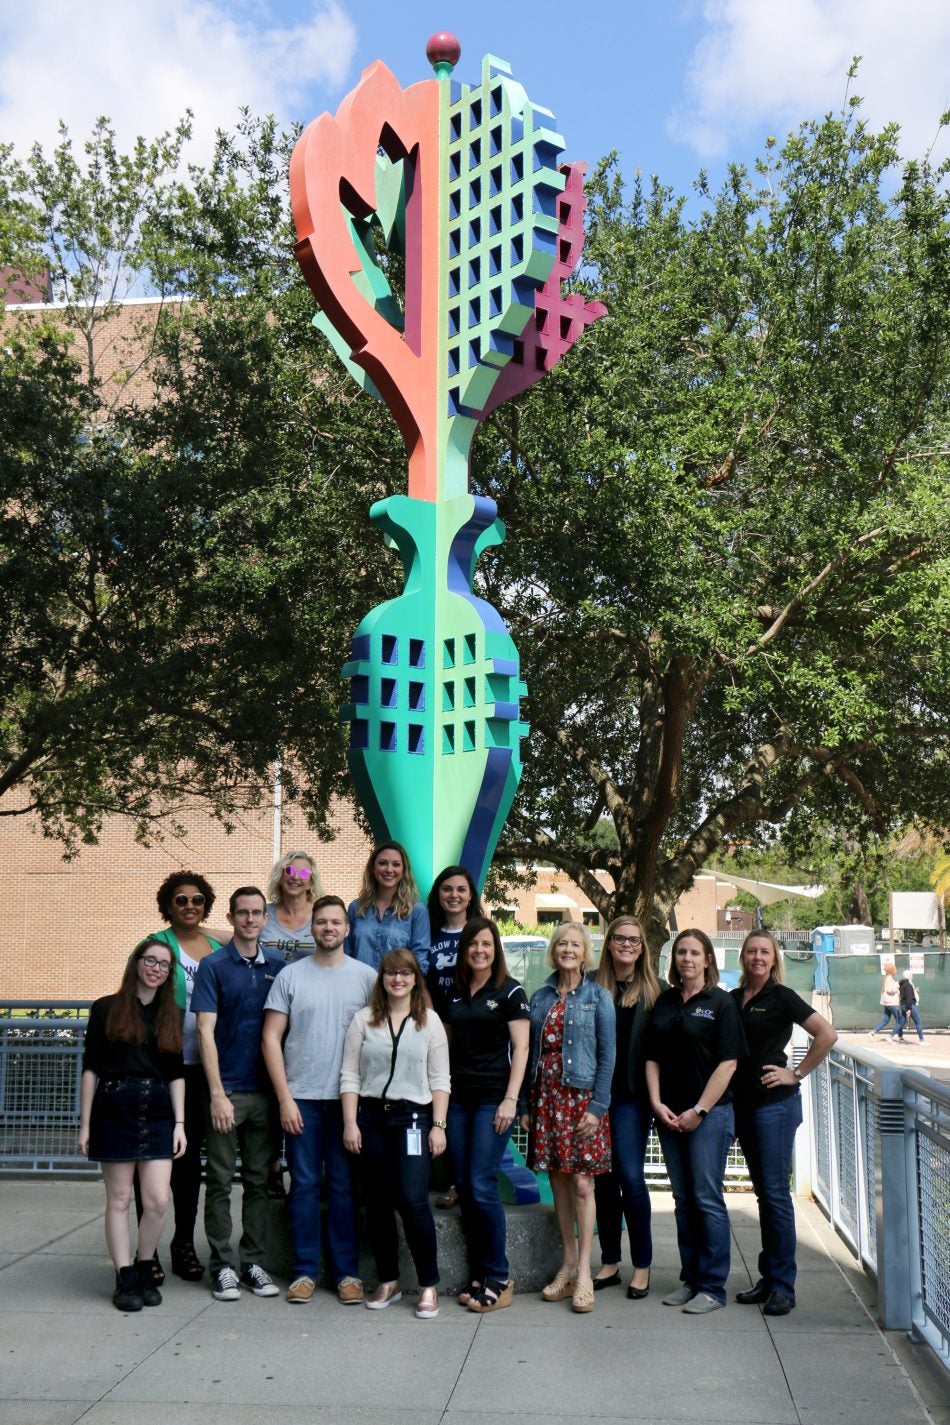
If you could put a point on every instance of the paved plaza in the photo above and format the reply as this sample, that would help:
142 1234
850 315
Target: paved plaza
69 1356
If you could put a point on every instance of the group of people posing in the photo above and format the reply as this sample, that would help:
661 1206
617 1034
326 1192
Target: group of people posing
380 1036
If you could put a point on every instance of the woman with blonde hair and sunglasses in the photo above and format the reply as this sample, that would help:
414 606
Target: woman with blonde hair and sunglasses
768 1108
626 972
293 887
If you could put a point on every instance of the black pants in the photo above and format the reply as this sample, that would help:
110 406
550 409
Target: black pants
186 1170
391 1179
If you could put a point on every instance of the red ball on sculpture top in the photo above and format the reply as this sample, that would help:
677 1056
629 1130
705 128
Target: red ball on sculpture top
443 49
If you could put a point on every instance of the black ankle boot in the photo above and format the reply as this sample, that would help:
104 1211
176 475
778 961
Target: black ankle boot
151 1296
127 1295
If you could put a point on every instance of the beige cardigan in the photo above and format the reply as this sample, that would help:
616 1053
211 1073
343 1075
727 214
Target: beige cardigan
422 1059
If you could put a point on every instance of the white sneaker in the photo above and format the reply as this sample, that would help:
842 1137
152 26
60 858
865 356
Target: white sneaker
225 1285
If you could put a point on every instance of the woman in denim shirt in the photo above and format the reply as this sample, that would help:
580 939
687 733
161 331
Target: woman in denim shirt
387 914
573 1042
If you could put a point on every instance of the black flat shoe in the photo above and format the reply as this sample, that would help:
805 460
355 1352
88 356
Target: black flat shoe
601 1283
754 1296
637 1293
778 1305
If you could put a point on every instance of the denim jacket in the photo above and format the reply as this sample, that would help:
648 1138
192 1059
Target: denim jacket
590 1039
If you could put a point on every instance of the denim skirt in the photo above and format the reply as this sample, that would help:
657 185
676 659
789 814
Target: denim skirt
131 1121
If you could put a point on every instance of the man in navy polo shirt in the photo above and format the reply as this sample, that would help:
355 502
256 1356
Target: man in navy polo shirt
228 1000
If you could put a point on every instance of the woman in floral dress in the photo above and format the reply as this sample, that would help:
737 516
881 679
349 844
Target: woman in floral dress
573 1043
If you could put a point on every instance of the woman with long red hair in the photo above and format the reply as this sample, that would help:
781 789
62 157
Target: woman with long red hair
132 1109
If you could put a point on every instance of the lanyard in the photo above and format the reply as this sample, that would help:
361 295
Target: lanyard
395 1038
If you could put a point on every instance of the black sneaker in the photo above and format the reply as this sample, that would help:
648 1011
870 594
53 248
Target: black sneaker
127 1296
225 1285
256 1280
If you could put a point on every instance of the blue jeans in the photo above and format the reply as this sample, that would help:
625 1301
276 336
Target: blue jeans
623 1193
476 1154
696 1165
393 1178
320 1147
889 1010
914 1013
767 1136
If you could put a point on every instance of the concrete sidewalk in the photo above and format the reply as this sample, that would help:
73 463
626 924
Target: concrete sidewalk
68 1355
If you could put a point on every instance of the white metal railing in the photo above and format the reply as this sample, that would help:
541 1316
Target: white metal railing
874 1152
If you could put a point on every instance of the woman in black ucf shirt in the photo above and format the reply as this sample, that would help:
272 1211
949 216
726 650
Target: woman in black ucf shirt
692 1045
490 1023
768 1107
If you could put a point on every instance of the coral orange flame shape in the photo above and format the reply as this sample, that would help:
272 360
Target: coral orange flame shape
333 172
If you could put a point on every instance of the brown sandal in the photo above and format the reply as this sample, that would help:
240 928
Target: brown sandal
583 1298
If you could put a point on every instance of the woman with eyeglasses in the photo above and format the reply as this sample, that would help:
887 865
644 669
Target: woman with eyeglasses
387 913
185 900
131 1110
394 1091
293 887
626 973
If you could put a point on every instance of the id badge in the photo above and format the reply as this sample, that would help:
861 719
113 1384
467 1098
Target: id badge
414 1142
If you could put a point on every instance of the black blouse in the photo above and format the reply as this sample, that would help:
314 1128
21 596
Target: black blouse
115 1059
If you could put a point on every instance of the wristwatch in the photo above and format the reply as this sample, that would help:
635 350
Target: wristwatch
701 1111
439 1123
798 1074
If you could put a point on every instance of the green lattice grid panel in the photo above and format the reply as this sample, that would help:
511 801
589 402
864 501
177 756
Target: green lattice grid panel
502 199
469 689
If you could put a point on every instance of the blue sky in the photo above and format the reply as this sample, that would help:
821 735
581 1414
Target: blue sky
674 86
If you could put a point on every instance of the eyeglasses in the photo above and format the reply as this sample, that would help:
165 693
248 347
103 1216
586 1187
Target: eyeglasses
297 873
627 939
155 964
182 901
398 975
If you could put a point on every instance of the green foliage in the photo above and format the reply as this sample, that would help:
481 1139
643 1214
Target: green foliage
174 551
728 562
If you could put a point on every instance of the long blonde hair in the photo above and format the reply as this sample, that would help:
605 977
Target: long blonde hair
643 986
407 892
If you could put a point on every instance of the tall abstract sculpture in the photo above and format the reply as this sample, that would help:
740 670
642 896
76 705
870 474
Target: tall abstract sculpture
458 188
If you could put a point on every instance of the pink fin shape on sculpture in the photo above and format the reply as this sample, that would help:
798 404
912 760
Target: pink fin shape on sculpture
558 319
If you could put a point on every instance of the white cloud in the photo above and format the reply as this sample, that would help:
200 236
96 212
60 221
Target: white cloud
776 62
143 65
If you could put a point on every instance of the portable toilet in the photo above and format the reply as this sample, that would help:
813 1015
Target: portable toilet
854 940
823 944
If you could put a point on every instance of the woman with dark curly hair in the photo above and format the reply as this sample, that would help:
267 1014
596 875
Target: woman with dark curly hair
131 1111
185 901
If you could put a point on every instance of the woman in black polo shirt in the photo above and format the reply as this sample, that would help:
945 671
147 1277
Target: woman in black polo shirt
490 1024
692 1045
768 1107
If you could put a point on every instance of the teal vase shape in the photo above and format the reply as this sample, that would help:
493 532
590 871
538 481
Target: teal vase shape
434 689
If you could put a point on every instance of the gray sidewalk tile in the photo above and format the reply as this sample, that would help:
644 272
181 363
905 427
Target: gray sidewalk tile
43 1412
332 1357
847 1380
61 1357
597 1375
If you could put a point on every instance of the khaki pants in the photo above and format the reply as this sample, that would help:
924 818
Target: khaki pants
253 1135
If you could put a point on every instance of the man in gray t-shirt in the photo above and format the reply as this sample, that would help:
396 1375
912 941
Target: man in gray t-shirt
312 1002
